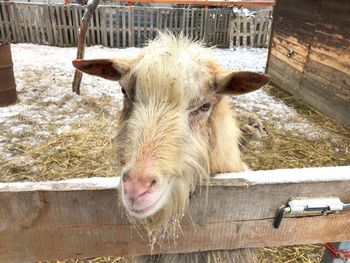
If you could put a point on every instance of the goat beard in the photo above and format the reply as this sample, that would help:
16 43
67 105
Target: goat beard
164 225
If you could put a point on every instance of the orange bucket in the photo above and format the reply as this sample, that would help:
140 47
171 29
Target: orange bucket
8 94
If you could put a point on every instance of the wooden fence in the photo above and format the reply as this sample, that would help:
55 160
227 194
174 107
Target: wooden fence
124 26
83 218
251 31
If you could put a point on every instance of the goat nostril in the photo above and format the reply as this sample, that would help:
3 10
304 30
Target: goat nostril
153 182
125 175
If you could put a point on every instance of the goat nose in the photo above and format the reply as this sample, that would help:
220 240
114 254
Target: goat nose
136 186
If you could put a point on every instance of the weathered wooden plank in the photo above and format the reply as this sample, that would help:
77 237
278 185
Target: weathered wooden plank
91 31
118 29
110 24
41 25
47 27
25 17
139 34
151 24
30 21
12 22
124 28
6 20
289 55
65 25
103 29
332 81
98 27
75 22
193 24
72 39
59 26
35 16
2 22
283 74
82 218
54 25
2 30
307 89
331 57
294 60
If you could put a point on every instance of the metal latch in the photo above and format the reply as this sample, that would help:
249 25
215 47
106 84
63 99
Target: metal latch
301 206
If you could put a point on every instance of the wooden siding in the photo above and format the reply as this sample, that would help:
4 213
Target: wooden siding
310 54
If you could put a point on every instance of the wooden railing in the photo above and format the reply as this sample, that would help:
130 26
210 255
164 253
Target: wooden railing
83 218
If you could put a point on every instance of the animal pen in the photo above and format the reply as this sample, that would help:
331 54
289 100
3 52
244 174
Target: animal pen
82 218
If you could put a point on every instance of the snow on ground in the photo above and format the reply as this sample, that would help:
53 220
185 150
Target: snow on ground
46 104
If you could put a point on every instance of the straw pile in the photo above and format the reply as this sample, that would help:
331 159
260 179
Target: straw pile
85 151
82 152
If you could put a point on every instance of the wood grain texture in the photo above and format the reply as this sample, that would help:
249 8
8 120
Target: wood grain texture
79 219
312 37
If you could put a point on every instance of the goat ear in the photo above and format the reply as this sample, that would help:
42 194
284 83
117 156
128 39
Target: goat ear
104 68
241 82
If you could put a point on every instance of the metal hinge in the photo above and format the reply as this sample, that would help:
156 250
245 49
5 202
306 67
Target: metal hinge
302 206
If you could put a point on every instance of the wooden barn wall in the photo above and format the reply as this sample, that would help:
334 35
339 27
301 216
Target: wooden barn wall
310 53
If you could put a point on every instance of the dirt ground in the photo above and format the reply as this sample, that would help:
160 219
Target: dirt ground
54 134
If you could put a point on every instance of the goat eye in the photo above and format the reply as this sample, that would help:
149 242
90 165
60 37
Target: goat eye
205 107
124 92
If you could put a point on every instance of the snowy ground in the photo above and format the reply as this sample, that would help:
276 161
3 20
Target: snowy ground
47 106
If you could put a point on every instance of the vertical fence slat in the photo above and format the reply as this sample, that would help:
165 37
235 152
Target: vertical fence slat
92 29
63 16
260 43
98 27
103 28
13 23
111 37
30 16
2 28
5 21
57 21
25 18
70 25
75 22
159 19
268 31
47 27
44 38
34 26
124 27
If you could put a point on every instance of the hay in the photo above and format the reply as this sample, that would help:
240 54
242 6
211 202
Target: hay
292 254
82 152
285 149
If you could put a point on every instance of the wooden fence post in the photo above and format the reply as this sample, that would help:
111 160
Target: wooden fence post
84 25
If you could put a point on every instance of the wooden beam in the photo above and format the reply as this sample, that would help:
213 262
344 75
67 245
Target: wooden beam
204 3
83 218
